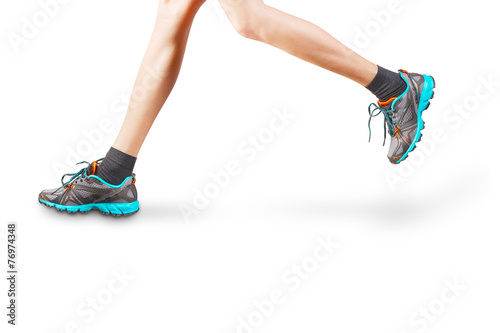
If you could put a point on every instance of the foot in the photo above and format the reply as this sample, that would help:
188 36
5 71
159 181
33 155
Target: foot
85 191
403 115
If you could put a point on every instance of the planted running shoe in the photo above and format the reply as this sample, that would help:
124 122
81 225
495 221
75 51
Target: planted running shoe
403 115
85 191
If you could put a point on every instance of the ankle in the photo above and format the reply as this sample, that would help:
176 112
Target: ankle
387 85
116 166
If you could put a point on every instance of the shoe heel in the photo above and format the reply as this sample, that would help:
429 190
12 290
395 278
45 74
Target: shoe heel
427 92
428 88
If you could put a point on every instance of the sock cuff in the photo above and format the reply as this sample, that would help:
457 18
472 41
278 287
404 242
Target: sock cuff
116 166
378 79
386 84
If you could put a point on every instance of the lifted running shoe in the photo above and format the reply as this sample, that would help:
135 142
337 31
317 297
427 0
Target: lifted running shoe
403 115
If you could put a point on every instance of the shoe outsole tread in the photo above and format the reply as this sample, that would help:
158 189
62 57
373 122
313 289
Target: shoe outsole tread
87 211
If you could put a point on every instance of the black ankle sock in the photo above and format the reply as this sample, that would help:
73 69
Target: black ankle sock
116 166
387 85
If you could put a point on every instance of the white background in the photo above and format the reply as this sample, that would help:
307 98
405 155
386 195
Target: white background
318 178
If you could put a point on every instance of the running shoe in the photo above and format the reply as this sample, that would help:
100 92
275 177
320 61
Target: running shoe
85 191
403 115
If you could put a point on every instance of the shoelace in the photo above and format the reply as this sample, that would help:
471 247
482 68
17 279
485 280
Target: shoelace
75 176
388 120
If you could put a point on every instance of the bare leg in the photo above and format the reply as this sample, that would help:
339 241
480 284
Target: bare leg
158 72
255 20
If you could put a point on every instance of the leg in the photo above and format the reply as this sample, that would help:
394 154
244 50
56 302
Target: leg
398 94
158 72
253 19
156 78
110 185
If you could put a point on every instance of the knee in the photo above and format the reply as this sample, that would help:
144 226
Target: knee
246 27
245 18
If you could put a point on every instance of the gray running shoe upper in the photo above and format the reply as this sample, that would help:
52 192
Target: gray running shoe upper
84 188
401 116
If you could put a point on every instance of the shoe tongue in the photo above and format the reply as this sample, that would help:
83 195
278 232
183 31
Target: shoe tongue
92 168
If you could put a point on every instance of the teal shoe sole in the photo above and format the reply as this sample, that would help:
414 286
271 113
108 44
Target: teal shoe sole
114 209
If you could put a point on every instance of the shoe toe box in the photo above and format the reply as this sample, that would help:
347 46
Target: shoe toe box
397 150
50 195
